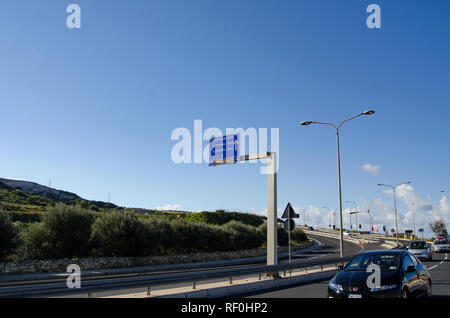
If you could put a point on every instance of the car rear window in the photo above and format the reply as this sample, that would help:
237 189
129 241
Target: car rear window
417 245
387 262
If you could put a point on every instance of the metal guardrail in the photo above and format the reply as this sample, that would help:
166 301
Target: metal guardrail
89 287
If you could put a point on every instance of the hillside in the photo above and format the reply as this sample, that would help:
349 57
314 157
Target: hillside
38 189
25 201
25 196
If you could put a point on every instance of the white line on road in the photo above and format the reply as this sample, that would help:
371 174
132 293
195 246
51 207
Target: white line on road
433 267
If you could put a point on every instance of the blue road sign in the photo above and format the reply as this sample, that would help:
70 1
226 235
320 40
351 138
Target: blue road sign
420 230
224 150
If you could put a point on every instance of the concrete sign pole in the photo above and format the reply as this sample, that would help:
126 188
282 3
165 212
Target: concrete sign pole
272 242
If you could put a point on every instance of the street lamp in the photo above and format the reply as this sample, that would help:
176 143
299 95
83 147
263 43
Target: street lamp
329 215
304 214
307 123
356 215
350 214
443 191
370 213
395 203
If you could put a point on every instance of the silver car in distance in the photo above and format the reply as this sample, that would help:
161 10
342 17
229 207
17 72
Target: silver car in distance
421 250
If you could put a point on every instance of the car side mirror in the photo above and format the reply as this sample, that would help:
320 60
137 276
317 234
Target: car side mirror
411 268
340 267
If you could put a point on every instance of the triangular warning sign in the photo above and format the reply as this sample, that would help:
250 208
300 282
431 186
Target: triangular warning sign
289 213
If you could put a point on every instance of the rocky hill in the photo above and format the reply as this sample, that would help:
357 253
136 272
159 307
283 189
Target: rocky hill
26 196
38 189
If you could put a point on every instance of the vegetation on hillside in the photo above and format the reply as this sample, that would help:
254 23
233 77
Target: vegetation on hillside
22 205
69 231
221 217
38 227
8 233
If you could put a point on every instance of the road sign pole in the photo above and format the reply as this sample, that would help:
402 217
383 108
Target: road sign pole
272 252
289 236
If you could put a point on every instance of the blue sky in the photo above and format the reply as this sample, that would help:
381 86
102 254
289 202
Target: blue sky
93 109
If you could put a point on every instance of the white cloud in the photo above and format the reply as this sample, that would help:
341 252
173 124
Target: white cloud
169 207
372 169
410 206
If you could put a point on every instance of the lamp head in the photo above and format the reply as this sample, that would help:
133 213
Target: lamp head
306 123
368 112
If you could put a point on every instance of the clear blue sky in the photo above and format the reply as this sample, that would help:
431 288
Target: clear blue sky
93 109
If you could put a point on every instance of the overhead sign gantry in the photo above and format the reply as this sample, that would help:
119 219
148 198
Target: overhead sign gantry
225 150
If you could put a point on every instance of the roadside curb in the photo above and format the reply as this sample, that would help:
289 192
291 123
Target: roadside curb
243 289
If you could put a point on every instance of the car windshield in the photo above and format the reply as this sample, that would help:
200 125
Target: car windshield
417 245
440 242
388 262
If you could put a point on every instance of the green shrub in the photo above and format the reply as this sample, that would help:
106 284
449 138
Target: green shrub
25 217
8 233
120 234
242 236
298 236
282 234
35 243
64 233
69 228
221 217
159 234
193 237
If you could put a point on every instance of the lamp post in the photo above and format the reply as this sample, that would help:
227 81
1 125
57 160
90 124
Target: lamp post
304 214
370 213
443 191
395 203
306 123
329 215
356 215
350 214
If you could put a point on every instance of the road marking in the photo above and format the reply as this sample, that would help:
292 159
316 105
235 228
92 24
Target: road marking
433 267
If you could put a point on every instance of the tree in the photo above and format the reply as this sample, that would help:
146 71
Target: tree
438 226
120 234
8 234
64 232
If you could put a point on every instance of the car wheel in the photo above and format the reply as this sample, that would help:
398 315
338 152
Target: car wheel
405 293
429 290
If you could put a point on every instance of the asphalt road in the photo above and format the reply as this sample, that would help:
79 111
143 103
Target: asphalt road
440 276
329 250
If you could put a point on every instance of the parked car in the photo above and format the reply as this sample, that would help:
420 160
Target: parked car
402 276
440 246
421 249
347 233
